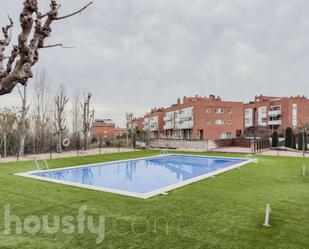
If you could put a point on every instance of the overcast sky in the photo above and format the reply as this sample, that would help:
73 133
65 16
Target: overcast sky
138 54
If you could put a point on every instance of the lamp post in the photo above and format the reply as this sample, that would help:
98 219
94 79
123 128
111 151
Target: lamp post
303 130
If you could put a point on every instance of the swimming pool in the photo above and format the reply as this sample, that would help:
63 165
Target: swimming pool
142 177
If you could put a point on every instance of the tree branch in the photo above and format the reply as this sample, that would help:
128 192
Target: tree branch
74 13
5 42
56 45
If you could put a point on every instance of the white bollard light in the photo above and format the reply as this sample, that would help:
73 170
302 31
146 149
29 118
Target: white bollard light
267 215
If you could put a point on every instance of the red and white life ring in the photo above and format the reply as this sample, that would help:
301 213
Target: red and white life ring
66 142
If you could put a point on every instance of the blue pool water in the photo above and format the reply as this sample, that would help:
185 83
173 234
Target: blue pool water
142 175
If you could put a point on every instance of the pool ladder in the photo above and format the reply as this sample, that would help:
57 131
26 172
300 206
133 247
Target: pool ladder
164 152
37 165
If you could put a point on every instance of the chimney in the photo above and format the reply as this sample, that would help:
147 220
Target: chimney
178 101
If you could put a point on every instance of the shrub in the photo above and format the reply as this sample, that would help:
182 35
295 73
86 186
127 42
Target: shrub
274 140
300 141
294 141
108 143
288 138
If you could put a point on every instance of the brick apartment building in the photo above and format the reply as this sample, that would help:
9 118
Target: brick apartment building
199 118
106 130
138 122
265 114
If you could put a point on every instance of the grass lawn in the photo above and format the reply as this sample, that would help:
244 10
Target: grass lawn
226 211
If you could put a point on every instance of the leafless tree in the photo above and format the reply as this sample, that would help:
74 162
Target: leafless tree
8 121
129 117
76 114
88 119
23 122
35 29
60 101
42 105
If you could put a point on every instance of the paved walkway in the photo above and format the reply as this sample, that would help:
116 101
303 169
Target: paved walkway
113 150
233 150
64 154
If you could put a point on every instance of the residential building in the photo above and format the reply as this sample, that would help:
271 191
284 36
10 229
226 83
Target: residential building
266 114
153 122
106 129
119 132
138 122
197 118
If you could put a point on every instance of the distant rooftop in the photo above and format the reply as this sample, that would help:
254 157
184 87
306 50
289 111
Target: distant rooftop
104 121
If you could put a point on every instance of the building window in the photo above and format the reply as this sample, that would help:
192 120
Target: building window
219 110
226 135
207 122
230 110
230 122
248 117
262 116
208 110
294 115
219 122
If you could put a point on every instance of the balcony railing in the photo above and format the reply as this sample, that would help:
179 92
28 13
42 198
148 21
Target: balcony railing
168 118
274 113
185 115
274 122
185 125
168 126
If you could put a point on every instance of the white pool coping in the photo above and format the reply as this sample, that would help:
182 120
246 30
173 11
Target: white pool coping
147 195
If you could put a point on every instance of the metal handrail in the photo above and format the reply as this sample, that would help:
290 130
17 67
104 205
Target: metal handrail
46 164
164 152
35 163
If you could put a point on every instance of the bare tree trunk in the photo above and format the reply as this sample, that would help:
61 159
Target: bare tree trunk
4 144
23 122
129 117
60 122
88 119
76 116
304 142
8 126
42 108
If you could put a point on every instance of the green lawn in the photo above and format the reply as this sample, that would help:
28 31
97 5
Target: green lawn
226 211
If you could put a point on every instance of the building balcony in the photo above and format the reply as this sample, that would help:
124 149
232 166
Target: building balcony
168 118
153 122
274 122
168 126
274 113
185 125
185 115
